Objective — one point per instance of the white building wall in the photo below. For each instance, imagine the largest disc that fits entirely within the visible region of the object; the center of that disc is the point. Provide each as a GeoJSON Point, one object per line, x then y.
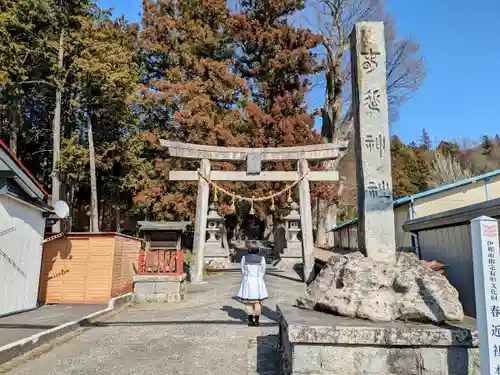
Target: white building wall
{"type": "Point", "coordinates": [20, 255]}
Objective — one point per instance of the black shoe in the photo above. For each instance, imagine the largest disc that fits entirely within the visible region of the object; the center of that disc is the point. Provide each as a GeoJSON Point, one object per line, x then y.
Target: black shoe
{"type": "Point", "coordinates": [257, 320]}
{"type": "Point", "coordinates": [251, 323]}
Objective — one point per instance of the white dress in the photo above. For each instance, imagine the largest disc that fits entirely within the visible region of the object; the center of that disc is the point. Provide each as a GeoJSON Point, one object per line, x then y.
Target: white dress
{"type": "Point", "coordinates": [253, 288]}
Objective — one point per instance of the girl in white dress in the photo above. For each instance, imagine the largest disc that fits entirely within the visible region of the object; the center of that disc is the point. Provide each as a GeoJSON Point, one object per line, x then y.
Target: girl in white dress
{"type": "Point", "coordinates": [253, 289]}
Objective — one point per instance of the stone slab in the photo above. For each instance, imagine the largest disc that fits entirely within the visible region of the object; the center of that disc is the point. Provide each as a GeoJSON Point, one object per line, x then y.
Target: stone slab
{"type": "Point", "coordinates": [159, 278]}
{"type": "Point", "coordinates": [315, 343]}
{"type": "Point", "coordinates": [159, 289]}
{"type": "Point", "coordinates": [314, 327]}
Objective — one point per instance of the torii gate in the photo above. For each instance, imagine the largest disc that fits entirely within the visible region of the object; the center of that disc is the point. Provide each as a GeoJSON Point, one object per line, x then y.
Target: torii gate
{"type": "Point", "coordinates": [254, 157]}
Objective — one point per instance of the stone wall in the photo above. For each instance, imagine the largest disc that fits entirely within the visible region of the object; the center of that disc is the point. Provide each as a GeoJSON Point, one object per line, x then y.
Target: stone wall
{"type": "Point", "coordinates": [159, 288]}
{"type": "Point", "coordinates": [315, 343]}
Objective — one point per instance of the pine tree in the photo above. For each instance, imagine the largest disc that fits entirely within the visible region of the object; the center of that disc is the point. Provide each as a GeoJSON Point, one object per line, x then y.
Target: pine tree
{"type": "Point", "coordinates": [425, 140]}
{"type": "Point", "coordinates": [486, 145]}
{"type": "Point", "coordinates": [410, 170]}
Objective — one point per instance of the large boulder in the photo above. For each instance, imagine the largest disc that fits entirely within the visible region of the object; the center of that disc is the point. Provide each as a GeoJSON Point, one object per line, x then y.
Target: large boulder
{"type": "Point", "coordinates": [360, 287]}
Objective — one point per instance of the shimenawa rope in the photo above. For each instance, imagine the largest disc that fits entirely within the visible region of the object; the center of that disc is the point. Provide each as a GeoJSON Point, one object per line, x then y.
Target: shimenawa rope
{"type": "Point", "coordinates": [235, 196]}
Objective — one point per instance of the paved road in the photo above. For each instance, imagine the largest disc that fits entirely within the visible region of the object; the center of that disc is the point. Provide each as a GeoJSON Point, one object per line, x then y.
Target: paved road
{"type": "Point", "coordinates": [207, 334]}
{"type": "Point", "coordinates": [20, 326]}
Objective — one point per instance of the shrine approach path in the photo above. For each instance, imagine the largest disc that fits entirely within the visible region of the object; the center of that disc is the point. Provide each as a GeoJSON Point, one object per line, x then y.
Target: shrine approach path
{"type": "Point", "coordinates": [206, 334]}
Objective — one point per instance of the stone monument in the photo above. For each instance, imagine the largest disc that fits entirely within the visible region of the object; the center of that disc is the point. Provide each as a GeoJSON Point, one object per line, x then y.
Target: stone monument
{"type": "Point", "coordinates": [380, 286]}
{"type": "Point", "coordinates": [373, 297]}
{"type": "Point", "coordinates": [372, 142]}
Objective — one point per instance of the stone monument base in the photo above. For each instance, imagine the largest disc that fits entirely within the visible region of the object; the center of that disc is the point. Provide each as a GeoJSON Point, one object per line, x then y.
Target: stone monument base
{"type": "Point", "coordinates": [159, 288]}
{"type": "Point", "coordinates": [217, 263]}
{"type": "Point", "coordinates": [316, 343]}
{"type": "Point", "coordinates": [289, 263]}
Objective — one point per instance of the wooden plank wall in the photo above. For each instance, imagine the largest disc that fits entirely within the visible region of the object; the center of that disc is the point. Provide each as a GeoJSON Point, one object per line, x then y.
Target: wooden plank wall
{"type": "Point", "coordinates": [53, 270]}
{"type": "Point", "coordinates": [77, 269]}
{"type": "Point", "coordinates": [125, 264]}
{"type": "Point", "coordinates": [98, 277]}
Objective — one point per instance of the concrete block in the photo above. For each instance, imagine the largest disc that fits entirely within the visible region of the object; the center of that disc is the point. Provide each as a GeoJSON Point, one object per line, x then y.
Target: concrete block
{"type": "Point", "coordinates": [159, 289]}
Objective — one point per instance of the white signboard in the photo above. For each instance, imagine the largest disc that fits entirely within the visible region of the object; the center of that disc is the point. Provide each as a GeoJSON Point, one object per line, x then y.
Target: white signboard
{"type": "Point", "coordinates": [486, 258]}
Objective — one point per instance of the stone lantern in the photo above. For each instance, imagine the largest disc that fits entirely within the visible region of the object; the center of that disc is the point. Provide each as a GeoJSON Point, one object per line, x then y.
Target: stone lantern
{"type": "Point", "coordinates": [293, 223]}
{"type": "Point", "coordinates": [214, 221]}
{"type": "Point", "coordinates": [294, 245]}
{"type": "Point", "coordinates": [216, 256]}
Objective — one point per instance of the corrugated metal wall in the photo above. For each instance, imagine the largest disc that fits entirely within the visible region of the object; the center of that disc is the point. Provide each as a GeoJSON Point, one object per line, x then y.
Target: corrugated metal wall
{"type": "Point", "coordinates": [21, 236]}
{"type": "Point", "coordinates": [452, 246]}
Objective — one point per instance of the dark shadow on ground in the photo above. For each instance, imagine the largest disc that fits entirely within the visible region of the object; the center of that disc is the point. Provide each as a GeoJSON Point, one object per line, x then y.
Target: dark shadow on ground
{"type": "Point", "coordinates": [268, 355]}
{"type": "Point", "coordinates": [266, 311]}
{"type": "Point", "coordinates": [168, 323]}
{"type": "Point", "coordinates": [281, 276]}
{"type": "Point", "coordinates": [269, 314]}
{"type": "Point", "coordinates": [241, 314]}
{"type": "Point", "coordinates": [235, 313]}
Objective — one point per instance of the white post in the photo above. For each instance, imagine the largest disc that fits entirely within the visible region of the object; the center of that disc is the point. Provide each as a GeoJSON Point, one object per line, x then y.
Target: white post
{"type": "Point", "coordinates": [486, 259]}
{"type": "Point", "coordinates": [200, 229]}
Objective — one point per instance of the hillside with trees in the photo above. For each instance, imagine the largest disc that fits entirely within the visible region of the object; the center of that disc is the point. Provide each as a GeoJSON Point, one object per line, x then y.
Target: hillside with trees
{"type": "Point", "coordinates": [85, 97]}
{"type": "Point", "coordinates": [419, 166]}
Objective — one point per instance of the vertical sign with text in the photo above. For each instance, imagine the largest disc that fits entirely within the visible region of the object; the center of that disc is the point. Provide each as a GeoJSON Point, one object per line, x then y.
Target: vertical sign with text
{"type": "Point", "coordinates": [376, 234]}
{"type": "Point", "coordinates": [486, 258]}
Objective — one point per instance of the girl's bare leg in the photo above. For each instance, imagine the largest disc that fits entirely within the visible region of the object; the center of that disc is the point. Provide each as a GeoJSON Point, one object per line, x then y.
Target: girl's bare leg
{"type": "Point", "coordinates": [257, 309]}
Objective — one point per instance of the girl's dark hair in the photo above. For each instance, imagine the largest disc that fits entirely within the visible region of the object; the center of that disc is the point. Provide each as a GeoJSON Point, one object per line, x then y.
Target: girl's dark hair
{"type": "Point", "coordinates": [253, 246]}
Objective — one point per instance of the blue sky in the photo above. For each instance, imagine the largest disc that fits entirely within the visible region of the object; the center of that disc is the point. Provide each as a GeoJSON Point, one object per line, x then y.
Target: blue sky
{"type": "Point", "coordinates": [459, 42]}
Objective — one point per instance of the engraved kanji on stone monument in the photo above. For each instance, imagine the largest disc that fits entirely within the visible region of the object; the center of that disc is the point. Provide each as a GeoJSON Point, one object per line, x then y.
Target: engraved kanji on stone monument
{"type": "Point", "coordinates": [372, 99]}
{"type": "Point", "coordinates": [376, 143]}
{"type": "Point", "coordinates": [376, 234]}
{"type": "Point", "coordinates": [379, 189]}
{"type": "Point", "coordinates": [370, 62]}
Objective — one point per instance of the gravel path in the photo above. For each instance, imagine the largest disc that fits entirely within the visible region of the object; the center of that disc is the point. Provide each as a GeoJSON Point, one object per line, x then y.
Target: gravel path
{"type": "Point", "coordinates": [206, 334]}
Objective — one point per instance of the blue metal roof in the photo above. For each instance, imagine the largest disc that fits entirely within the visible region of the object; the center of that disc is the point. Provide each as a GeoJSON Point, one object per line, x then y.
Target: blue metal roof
{"type": "Point", "coordinates": [409, 198]}
{"type": "Point", "coordinates": [439, 189]}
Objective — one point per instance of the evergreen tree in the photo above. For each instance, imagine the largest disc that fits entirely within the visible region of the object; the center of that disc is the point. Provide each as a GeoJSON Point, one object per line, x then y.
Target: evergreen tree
{"type": "Point", "coordinates": [425, 140]}
{"type": "Point", "coordinates": [191, 93]}
{"type": "Point", "coordinates": [410, 170]}
{"type": "Point", "coordinates": [486, 145]}
{"type": "Point", "coordinates": [276, 59]}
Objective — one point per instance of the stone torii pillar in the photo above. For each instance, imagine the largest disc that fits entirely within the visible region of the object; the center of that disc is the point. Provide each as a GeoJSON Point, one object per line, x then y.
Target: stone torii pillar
{"type": "Point", "coordinates": [376, 234]}
{"type": "Point", "coordinates": [200, 229]}
{"type": "Point", "coordinates": [306, 221]}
